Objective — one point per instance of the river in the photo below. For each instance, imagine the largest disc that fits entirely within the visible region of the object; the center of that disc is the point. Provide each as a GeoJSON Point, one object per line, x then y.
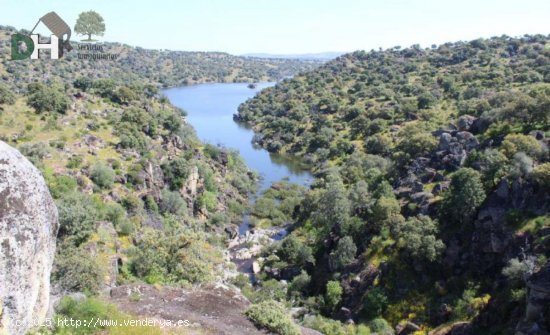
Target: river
{"type": "Point", "coordinates": [210, 109]}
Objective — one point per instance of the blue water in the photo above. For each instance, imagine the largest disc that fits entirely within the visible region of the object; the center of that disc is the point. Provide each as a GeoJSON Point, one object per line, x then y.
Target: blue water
{"type": "Point", "coordinates": [210, 109]}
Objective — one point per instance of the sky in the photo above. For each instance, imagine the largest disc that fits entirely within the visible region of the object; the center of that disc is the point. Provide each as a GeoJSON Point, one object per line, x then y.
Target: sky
{"type": "Point", "coordinates": [291, 26]}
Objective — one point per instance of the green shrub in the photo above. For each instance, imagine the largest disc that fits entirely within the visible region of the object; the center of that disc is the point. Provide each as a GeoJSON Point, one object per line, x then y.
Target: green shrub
{"type": "Point", "coordinates": [515, 143]}
{"type": "Point", "coordinates": [151, 204]}
{"type": "Point", "coordinates": [541, 174]}
{"type": "Point", "coordinates": [75, 269]}
{"type": "Point", "coordinates": [299, 284]}
{"type": "Point", "coordinates": [334, 327]}
{"type": "Point", "coordinates": [102, 175]}
{"type": "Point", "coordinates": [77, 216]}
{"type": "Point", "coordinates": [104, 87]}
{"type": "Point", "coordinates": [344, 254]}
{"type": "Point", "coordinates": [418, 238]}
{"type": "Point", "coordinates": [175, 172]}
{"type": "Point", "coordinates": [381, 327]}
{"type": "Point", "coordinates": [333, 295]}
{"type": "Point", "coordinates": [208, 200]}
{"type": "Point", "coordinates": [83, 83]}
{"type": "Point", "coordinates": [374, 303]}
{"type": "Point", "coordinates": [175, 257]}
{"type": "Point", "coordinates": [219, 219]}
{"type": "Point", "coordinates": [115, 213]}
{"type": "Point", "coordinates": [270, 290]}
{"type": "Point", "coordinates": [35, 152]}
{"type": "Point", "coordinates": [465, 195]}
{"type": "Point", "coordinates": [469, 305]}
{"type": "Point", "coordinates": [60, 185]}
{"type": "Point", "coordinates": [272, 316]}
{"type": "Point", "coordinates": [75, 162]}
{"type": "Point", "coordinates": [6, 95]}
{"type": "Point", "coordinates": [84, 310]}
{"type": "Point", "coordinates": [48, 99]}
{"type": "Point", "coordinates": [173, 203]}
{"type": "Point", "coordinates": [132, 204]}
{"type": "Point", "coordinates": [517, 271]}
{"type": "Point", "coordinates": [294, 251]}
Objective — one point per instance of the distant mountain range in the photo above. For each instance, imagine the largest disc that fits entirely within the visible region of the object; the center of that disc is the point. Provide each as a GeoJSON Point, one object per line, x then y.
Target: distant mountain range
{"type": "Point", "coordinates": [310, 56]}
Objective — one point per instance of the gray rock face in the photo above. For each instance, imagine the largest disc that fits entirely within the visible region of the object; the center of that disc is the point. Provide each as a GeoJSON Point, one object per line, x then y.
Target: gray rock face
{"type": "Point", "coordinates": [28, 229]}
{"type": "Point", "coordinates": [465, 122]}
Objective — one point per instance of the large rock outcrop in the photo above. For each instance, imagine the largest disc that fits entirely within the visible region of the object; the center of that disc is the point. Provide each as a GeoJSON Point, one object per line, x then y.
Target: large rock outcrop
{"type": "Point", "coordinates": [28, 229]}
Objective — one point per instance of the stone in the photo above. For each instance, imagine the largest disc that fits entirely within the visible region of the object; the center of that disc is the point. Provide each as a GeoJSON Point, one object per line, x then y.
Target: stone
{"type": "Point", "coordinates": [232, 231]}
{"type": "Point", "coordinates": [421, 197]}
{"type": "Point", "coordinates": [192, 182]}
{"type": "Point", "coordinates": [440, 188]}
{"type": "Point", "coordinates": [537, 134]}
{"type": "Point", "coordinates": [465, 122]}
{"type": "Point", "coordinates": [28, 230]}
{"type": "Point", "coordinates": [407, 328]}
{"type": "Point", "coordinates": [417, 187]}
{"type": "Point", "coordinates": [444, 141]}
{"type": "Point", "coordinates": [255, 267]}
{"type": "Point", "coordinates": [243, 254]}
{"type": "Point", "coordinates": [467, 139]}
{"type": "Point", "coordinates": [538, 302]}
{"type": "Point", "coordinates": [479, 126]}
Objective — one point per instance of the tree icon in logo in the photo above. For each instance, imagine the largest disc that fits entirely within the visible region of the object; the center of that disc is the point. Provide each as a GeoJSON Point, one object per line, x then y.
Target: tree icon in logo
{"type": "Point", "coordinates": [90, 23]}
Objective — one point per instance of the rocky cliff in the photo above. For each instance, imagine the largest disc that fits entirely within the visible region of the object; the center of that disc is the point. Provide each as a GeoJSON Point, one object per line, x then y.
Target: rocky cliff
{"type": "Point", "coordinates": [28, 229]}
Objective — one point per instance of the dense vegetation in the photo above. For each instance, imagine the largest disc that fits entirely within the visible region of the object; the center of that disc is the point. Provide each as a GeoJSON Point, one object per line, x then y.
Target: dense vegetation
{"type": "Point", "coordinates": [430, 206]}
{"type": "Point", "coordinates": [431, 202]}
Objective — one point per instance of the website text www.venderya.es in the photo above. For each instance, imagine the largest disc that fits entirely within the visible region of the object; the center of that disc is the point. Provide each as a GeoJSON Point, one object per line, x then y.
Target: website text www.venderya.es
{"type": "Point", "coordinates": [105, 323]}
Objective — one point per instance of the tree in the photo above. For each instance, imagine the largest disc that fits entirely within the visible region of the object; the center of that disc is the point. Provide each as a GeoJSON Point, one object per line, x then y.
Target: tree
{"type": "Point", "coordinates": [514, 143]}
{"type": "Point", "coordinates": [76, 269]}
{"type": "Point", "coordinates": [333, 206]}
{"type": "Point", "coordinates": [272, 316]}
{"type": "Point", "coordinates": [417, 237]}
{"type": "Point", "coordinates": [175, 172]}
{"type": "Point", "coordinates": [172, 203]}
{"type": "Point", "coordinates": [375, 302]}
{"type": "Point", "coordinates": [295, 251]}
{"type": "Point", "coordinates": [465, 195]}
{"type": "Point", "coordinates": [384, 208]}
{"type": "Point", "coordinates": [77, 216]}
{"type": "Point", "coordinates": [333, 295]}
{"type": "Point", "coordinates": [102, 175]}
{"type": "Point", "coordinates": [6, 95]}
{"type": "Point", "coordinates": [90, 23]}
{"type": "Point", "coordinates": [83, 83]}
{"type": "Point", "coordinates": [48, 98]}
{"type": "Point", "coordinates": [344, 253]}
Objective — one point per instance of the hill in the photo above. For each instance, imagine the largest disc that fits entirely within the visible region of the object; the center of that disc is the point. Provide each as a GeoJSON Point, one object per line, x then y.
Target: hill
{"type": "Point", "coordinates": [430, 211]}
{"type": "Point", "coordinates": [140, 198]}
{"type": "Point", "coordinates": [161, 67]}
{"type": "Point", "coordinates": [324, 56]}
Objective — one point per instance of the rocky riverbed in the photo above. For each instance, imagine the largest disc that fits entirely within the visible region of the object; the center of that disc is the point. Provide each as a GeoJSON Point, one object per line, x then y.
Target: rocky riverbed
{"type": "Point", "coordinates": [243, 251]}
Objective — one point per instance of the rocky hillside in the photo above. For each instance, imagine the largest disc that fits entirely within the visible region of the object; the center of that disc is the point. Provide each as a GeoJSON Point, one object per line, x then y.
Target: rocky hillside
{"type": "Point", "coordinates": [430, 211]}
{"type": "Point", "coordinates": [140, 198]}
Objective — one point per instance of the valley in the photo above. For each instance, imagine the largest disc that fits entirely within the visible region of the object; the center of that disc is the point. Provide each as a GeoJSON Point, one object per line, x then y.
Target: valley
{"type": "Point", "coordinates": [399, 191]}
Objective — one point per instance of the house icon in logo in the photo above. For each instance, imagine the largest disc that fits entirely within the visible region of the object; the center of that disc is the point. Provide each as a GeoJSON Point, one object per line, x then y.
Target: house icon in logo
{"type": "Point", "coordinates": [23, 46]}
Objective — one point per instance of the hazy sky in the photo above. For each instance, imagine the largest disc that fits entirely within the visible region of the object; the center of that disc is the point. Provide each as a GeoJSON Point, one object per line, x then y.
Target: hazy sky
{"type": "Point", "coordinates": [291, 26]}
